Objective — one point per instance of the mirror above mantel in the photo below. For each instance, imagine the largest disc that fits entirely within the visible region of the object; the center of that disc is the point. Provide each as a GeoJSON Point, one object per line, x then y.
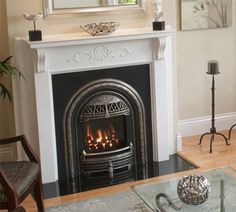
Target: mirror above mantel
{"type": "Point", "coordinates": [56, 7]}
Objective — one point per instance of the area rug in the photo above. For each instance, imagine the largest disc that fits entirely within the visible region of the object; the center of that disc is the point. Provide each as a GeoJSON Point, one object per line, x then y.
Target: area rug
{"type": "Point", "coordinates": [119, 202]}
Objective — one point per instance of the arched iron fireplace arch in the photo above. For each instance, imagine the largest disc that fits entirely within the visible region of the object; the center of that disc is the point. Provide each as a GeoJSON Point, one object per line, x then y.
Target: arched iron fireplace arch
{"type": "Point", "coordinates": [77, 103]}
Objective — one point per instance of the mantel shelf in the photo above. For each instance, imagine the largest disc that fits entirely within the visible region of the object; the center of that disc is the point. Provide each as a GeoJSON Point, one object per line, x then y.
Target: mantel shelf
{"type": "Point", "coordinates": [54, 40]}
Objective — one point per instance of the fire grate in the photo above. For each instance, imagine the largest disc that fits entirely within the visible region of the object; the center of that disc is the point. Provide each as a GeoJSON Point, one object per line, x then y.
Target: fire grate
{"type": "Point", "coordinates": [107, 168]}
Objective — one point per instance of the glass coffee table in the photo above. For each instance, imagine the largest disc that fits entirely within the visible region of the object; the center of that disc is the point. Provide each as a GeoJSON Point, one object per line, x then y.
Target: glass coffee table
{"type": "Point", "coordinates": [147, 192]}
{"type": "Point", "coordinates": [142, 197]}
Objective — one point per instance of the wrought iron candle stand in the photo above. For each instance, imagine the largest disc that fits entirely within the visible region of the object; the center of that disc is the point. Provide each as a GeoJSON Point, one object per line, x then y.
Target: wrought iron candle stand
{"type": "Point", "coordinates": [213, 69]}
{"type": "Point", "coordinates": [230, 130]}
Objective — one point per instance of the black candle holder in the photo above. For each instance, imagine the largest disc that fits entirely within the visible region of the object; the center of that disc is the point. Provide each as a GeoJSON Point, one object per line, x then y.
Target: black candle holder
{"type": "Point", "coordinates": [213, 69]}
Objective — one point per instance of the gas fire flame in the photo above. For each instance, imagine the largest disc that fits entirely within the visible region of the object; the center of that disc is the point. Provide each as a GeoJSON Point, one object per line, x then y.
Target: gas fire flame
{"type": "Point", "coordinates": [102, 140]}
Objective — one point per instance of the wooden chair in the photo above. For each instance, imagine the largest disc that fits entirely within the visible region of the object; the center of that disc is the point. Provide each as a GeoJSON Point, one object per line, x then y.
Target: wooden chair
{"type": "Point", "coordinates": [20, 178]}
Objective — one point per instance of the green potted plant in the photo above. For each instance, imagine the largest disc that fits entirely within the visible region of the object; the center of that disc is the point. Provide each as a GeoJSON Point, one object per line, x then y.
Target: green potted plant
{"type": "Point", "coordinates": [7, 70]}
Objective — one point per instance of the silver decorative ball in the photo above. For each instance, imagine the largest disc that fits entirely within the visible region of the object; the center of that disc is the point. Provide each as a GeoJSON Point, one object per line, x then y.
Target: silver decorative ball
{"type": "Point", "coordinates": [193, 189]}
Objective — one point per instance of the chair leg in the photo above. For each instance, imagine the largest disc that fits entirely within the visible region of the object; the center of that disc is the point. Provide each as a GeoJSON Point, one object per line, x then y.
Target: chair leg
{"type": "Point", "coordinates": [18, 209]}
{"type": "Point", "coordinates": [39, 196]}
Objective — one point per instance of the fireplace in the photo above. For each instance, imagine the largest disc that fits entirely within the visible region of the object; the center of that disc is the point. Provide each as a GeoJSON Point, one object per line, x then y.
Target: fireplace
{"type": "Point", "coordinates": [106, 151]}
{"type": "Point", "coordinates": [101, 126]}
{"type": "Point", "coordinates": [142, 129]}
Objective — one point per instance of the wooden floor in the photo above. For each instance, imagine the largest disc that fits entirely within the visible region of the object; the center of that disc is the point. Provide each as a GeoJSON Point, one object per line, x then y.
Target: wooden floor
{"type": "Point", "coordinates": [222, 155]}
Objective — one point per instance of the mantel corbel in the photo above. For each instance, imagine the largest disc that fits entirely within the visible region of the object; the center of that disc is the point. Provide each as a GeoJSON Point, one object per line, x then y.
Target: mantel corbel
{"type": "Point", "coordinates": [39, 60]}
{"type": "Point", "coordinates": [159, 45]}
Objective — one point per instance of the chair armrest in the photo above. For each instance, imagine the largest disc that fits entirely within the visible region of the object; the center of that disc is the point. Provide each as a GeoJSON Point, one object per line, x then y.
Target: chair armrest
{"type": "Point", "coordinates": [25, 144]}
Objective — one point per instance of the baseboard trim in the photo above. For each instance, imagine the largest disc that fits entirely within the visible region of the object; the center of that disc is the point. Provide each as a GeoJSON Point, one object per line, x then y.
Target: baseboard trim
{"type": "Point", "coordinates": [200, 125]}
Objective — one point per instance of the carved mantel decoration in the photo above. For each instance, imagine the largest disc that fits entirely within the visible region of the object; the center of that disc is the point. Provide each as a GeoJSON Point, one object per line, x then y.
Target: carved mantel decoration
{"type": "Point", "coordinates": [79, 52]}
{"type": "Point", "coordinates": [100, 53]}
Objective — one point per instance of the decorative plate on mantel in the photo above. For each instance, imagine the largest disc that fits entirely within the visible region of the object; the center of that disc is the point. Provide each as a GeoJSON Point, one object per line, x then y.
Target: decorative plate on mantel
{"type": "Point", "coordinates": [102, 28]}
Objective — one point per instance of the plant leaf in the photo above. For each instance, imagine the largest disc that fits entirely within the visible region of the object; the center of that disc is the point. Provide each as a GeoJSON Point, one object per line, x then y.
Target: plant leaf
{"type": "Point", "coordinates": [7, 59]}
{"type": "Point", "coordinates": [7, 69]}
{"type": "Point", "coordinates": [4, 92]}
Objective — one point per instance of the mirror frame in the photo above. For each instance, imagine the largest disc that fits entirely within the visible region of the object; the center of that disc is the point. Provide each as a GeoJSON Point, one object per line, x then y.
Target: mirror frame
{"type": "Point", "coordinates": [49, 10]}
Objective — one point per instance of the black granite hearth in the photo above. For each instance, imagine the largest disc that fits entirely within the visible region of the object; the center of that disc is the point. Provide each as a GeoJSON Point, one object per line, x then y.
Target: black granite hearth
{"type": "Point", "coordinates": [173, 165]}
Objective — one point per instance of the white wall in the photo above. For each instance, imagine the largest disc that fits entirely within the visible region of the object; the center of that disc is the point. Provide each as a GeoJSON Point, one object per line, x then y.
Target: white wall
{"type": "Point", "coordinates": [194, 49]}
{"type": "Point", "coordinates": [6, 118]}
{"type": "Point", "coordinates": [194, 84]}
{"type": "Point", "coordinates": [7, 127]}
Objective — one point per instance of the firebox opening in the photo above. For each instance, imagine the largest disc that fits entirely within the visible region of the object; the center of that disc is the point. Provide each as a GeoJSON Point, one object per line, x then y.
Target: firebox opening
{"type": "Point", "coordinates": [103, 118]}
{"type": "Point", "coordinates": [103, 135]}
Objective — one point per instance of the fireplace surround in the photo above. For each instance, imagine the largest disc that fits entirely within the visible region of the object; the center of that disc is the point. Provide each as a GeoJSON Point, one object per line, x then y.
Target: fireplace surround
{"type": "Point", "coordinates": [77, 53]}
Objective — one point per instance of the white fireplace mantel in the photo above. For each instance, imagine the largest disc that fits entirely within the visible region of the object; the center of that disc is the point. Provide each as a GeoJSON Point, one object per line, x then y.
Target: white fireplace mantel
{"type": "Point", "coordinates": [67, 53]}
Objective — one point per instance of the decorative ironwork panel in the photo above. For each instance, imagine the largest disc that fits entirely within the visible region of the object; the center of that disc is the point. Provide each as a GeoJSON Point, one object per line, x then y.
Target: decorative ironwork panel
{"type": "Point", "coordinates": [104, 106]}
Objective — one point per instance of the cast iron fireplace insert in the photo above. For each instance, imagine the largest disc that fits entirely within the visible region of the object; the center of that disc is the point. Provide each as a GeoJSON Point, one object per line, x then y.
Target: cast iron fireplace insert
{"type": "Point", "coordinates": [103, 126]}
